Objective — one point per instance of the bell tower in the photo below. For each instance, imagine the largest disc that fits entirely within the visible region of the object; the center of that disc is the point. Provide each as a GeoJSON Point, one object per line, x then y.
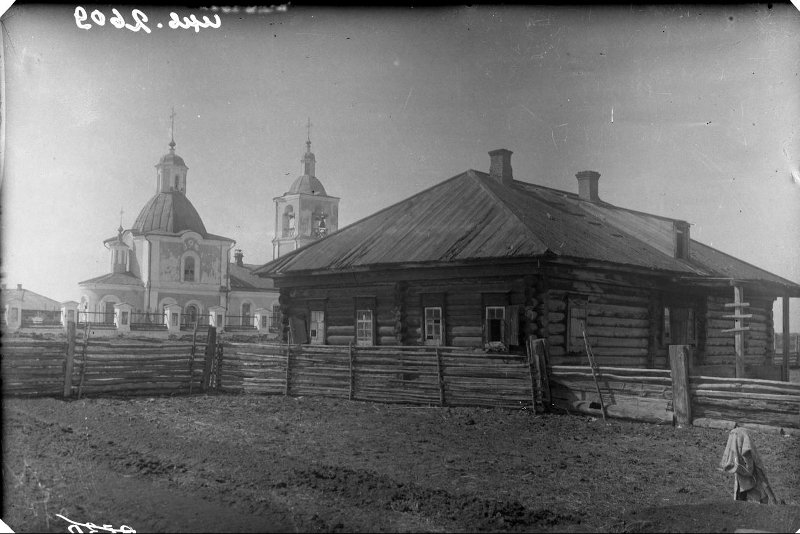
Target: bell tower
{"type": "Point", "coordinates": [171, 170]}
{"type": "Point", "coordinates": [305, 213]}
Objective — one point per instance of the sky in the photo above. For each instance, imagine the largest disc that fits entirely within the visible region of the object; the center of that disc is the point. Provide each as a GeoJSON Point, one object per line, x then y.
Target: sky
{"type": "Point", "coordinates": [689, 112]}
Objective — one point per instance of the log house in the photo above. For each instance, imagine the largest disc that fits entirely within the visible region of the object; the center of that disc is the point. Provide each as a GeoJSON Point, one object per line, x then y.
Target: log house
{"type": "Point", "coordinates": [483, 260]}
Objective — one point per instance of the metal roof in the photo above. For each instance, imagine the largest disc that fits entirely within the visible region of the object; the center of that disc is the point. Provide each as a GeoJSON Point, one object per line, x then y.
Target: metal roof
{"type": "Point", "coordinates": [473, 216]}
{"type": "Point", "coordinates": [242, 278]}
{"type": "Point", "coordinates": [121, 279]}
{"type": "Point", "coordinates": [309, 185]}
{"type": "Point", "coordinates": [169, 212]}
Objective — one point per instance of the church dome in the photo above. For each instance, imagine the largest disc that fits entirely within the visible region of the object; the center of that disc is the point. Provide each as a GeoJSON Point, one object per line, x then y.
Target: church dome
{"type": "Point", "coordinates": [169, 212]}
{"type": "Point", "coordinates": [172, 159]}
{"type": "Point", "coordinates": [308, 185]}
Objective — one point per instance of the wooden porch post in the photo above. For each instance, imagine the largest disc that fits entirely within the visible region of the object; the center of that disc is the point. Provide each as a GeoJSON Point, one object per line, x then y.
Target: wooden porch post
{"type": "Point", "coordinates": [786, 340]}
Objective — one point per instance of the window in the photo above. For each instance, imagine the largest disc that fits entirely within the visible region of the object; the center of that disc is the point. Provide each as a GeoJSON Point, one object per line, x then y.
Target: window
{"type": "Point", "coordinates": [124, 318]}
{"type": "Point", "coordinates": [317, 327]}
{"type": "Point", "coordinates": [108, 317]}
{"type": "Point", "coordinates": [177, 181]}
{"type": "Point", "coordinates": [433, 326]}
{"type": "Point", "coordinates": [289, 222]}
{"type": "Point", "coordinates": [495, 324]}
{"type": "Point", "coordinates": [219, 321]}
{"type": "Point", "coordinates": [188, 269]}
{"type": "Point", "coordinates": [576, 326]}
{"type": "Point", "coordinates": [264, 321]}
{"type": "Point", "coordinates": [275, 320]}
{"type": "Point", "coordinates": [190, 315]}
{"type": "Point", "coordinates": [246, 314]}
{"type": "Point", "coordinates": [364, 327]}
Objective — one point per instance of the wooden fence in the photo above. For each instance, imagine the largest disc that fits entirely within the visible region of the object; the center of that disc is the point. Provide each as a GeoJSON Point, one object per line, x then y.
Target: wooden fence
{"type": "Point", "coordinates": [639, 394]}
{"type": "Point", "coordinates": [70, 366]}
{"type": "Point", "coordinates": [31, 366]}
{"type": "Point", "coordinates": [425, 375]}
{"type": "Point", "coordinates": [446, 376]}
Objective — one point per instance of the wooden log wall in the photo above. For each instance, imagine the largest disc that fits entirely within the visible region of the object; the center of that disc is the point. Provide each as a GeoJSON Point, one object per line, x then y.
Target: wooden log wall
{"type": "Point", "coordinates": [32, 367]}
{"type": "Point", "coordinates": [759, 340]}
{"type": "Point", "coordinates": [628, 393]}
{"type": "Point", "coordinates": [340, 311]}
{"type": "Point", "coordinates": [127, 367]}
{"type": "Point", "coordinates": [744, 400]}
{"type": "Point", "coordinates": [618, 320]}
{"type": "Point", "coordinates": [463, 307]}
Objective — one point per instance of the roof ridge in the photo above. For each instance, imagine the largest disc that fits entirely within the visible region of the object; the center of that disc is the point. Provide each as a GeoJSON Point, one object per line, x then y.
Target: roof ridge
{"type": "Point", "coordinates": [482, 181]}
{"type": "Point", "coordinates": [601, 202]}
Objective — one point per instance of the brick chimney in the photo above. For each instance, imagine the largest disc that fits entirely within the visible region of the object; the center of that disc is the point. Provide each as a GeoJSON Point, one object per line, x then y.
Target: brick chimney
{"type": "Point", "coordinates": [500, 166]}
{"type": "Point", "coordinates": [587, 185]}
{"type": "Point", "coordinates": [237, 255]}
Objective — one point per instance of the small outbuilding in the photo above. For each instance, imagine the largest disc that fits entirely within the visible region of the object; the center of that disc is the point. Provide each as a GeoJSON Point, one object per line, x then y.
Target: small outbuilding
{"type": "Point", "coordinates": [484, 260]}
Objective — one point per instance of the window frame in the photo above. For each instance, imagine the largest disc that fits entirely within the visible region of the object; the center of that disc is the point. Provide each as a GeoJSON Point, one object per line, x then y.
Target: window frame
{"type": "Point", "coordinates": [488, 325]}
{"type": "Point", "coordinates": [319, 338]}
{"type": "Point", "coordinates": [362, 342]}
{"type": "Point", "coordinates": [435, 341]}
{"type": "Point", "coordinates": [195, 267]}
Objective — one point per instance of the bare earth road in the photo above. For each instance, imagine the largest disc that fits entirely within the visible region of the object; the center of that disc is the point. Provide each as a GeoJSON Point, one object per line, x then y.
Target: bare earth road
{"type": "Point", "coordinates": [252, 463]}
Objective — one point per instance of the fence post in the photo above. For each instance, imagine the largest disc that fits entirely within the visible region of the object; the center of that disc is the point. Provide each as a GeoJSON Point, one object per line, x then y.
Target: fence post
{"type": "Point", "coordinates": [219, 356]}
{"type": "Point", "coordinates": [70, 363]}
{"type": "Point", "coordinates": [288, 371]}
{"type": "Point", "coordinates": [681, 396]}
{"type": "Point", "coordinates": [84, 357]}
{"type": "Point", "coordinates": [538, 367]}
{"type": "Point", "coordinates": [211, 350]}
{"type": "Point", "coordinates": [352, 371]}
{"type": "Point", "coordinates": [441, 376]}
{"type": "Point", "coordinates": [191, 357]}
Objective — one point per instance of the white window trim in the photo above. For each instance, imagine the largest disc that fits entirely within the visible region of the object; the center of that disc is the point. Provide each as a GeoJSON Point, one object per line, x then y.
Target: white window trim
{"type": "Point", "coordinates": [318, 339]}
{"type": "Point", "coordinates": [371, 322]}
{"type": "Point", "coordinates": [437, 340]}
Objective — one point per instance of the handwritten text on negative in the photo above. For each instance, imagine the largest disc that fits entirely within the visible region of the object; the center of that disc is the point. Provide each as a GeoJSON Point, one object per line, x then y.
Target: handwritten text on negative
{"type": "Point", "coordinates": [140, 20]}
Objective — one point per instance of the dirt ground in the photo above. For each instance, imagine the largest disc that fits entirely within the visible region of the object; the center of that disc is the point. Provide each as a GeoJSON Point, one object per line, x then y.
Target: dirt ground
{"type": "Point", "coordinates": [243, 463]}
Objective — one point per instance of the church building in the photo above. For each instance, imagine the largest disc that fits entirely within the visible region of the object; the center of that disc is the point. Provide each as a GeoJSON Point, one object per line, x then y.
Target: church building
{"type": "Point", "coordinates": [168, 272]}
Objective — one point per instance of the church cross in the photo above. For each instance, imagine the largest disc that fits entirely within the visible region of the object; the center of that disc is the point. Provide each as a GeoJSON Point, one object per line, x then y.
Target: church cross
{"type": "Point", "coordinates": [172, 128]}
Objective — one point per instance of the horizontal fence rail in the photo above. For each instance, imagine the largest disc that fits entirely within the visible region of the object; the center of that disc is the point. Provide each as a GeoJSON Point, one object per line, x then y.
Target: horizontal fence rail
{"type": "Point", "coordinates": [745, 400]}
{"type": "Point", "coordinates": [640, 394]}
{"type": "Point", "coordinates": [32, 367]}
{"type": "Point", "coordinates": [136, 368]}
{"type": "Point", "coordinates": [424, 375]}
{"type": "Point", "coordinates": [75, 366]}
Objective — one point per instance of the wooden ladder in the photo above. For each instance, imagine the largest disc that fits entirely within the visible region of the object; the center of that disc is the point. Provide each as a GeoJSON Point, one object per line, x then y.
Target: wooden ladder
{"type": "Point", "coordinates": [593, 365]}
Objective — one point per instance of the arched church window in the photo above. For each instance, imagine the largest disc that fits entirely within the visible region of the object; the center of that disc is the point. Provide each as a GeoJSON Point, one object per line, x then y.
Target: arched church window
{"type": "Point", "coordinates": [177, 181]}
{"type": "Point", "coordinates": [188, 269]}
{"type": "Point", "coordinates": [246, 314]}
{"type": "Point", "coordinates": [289, 223]}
